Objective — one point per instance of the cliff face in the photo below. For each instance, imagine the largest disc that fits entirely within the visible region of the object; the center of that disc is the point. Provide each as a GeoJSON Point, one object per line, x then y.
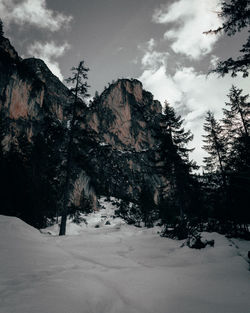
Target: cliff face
{"type": "Point", "coordinates": [126, 121]}
{"type": "Point", "coordinates": [29, 93]}
{"type": "Point", "coordinates": [34, 109]}
{"type": "Point", "coordinates": [124, 115]}
{"type": "Point", "coordinates": [120, 151]}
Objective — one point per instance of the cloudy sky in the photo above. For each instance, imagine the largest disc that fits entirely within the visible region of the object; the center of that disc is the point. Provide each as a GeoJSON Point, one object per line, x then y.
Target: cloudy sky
{"type": "Point", "coordinates": [160, 42]}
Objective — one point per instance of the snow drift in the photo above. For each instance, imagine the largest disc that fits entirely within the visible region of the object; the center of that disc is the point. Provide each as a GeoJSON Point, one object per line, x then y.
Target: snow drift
{"type": "Point", "coordinates": [118, 269]}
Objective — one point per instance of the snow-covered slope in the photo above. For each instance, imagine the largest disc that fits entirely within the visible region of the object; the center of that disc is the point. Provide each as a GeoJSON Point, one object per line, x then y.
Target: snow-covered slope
{"type": "Point", "coordinates": [105, 217]}
{"type": "Point", "coordinates": [117, 269]}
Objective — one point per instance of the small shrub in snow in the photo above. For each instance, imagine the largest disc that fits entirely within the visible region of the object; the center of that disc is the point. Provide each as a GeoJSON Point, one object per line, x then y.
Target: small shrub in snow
{"type": "Point", "coordinates": [228, 228]}
{"type": "Point", "coordinates": [78, 219]}
{"type": "Point", "coordinates": [131, 213]}
{"type": "Point", "coordinates": [108, 223]}
{"type": "Point", "coordinates": [77, 215]}
{"type": "Point", "coordinates": [51, 221]}
{"type": "Point", "coordinates": [197, 242]}
{"type": "Point", "coordinates": [181, 230]}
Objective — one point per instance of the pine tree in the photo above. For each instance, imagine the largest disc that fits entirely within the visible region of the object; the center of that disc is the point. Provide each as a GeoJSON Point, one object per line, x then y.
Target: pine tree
{"type": "Point", "coordinates": [215, 147]}
{"type": "Point", "coordinates": [174, 148]}
{"type": "Point", "coordinates": [173, 126]}
{"type": "Point", "coordinates": [94, 100]}
{"type": "Point", "coordinates": [236, 123]}
{"type": "Point", "coordinates": [50, 164]}
{"type": "Point", "coordinates": [236, 16]}
{"type": "Point", "coordinates": [239, 112]}
{"type": "Point", "coordinates": [215, 176]}
{"type": "Point", "coordinates": [79, 91]}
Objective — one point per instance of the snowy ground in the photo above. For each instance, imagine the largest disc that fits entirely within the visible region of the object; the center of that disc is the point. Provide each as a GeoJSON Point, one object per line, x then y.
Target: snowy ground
{"type": "Point", "coordinates": [118, 269]}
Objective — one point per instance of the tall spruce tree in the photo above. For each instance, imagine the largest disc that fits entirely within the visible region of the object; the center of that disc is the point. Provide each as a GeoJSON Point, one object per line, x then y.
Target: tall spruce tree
{"type": "Point", "coordinates": [215, 179]}
{"type": "Point", "coordinates": [79, 89]}
{"type": "Point", "coordinates": [173, 126]}
{"type": "Point", "coordinates": [174, 148]}
{"type": "Point", "coordinates": [236, 123]}
{"type": "Point", "coordinates": [238, 114]}
{"type": "Point", "coordinates": [215, 146]}
{"type": "Point", "coordinates": [236, 16]}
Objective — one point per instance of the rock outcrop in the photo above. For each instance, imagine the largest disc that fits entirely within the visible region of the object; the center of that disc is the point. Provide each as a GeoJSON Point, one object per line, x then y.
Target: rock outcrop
{"type": "Point", "coordinates": [126, 121]}
{"type": "Point", "coordinates": [34, 110]}
{"type": "Point", "coordinates": [29, 93]}
{"type": "Point", "coordinates": [122, 126]}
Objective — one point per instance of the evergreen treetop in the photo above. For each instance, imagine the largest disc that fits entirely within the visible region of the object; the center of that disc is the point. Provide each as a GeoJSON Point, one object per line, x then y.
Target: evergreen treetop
{"type": "Point", "coordinates": [236, 124]}
{"type": "Point", "coordinates": [215, 146]}
{"type": "Point", "coordinates": [78, 80]}
{"type": "Point", "coordinates": [236, 16]}
{"type": "Point", "coordinates": [237, 117]}
{"type": "Point", "coordinates": [79, 88]}
{"type": "Point", "coordinates": [173, 125]}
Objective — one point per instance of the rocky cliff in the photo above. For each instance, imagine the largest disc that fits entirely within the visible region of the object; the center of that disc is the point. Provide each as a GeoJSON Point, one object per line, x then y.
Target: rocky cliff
{"type": "Point", "coordinates": [120, 152]}
{"type": "Point", "coordinates": [34, 108]}
{"type": "Point", "coordinates": [29, 92]}
{"type": "Point", "coordinates": [126, 121]}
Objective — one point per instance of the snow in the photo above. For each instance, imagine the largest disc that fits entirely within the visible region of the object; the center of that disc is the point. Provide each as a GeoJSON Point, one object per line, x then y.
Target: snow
{"type": "Point", "coordinates": [103, 144]}
{"type": "Point", "coordinates": [118, 268]}
{"type": "Point", "coordinates": [93, 220]}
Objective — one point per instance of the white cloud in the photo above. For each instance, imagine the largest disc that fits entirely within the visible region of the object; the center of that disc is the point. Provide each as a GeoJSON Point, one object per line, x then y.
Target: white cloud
{"type": "Point", "coordinates": [191, 19]}
{"type": "Point", "coordinates": [152, 59]}
{"type": "Point", "coordinates": [33, 12]}
{"type": "Point", "coordinates": [214, 61]}
{"type": "Point", "coordinates": [49, 52]}
{"type": "Point", "coordinates": [162, 86]}
{"type": "Point", "coordinates": [190, 92]}
{"type": "Point", "coordinates": [193, 93]}
{"type": "Point", "coordinates": [151, 44]}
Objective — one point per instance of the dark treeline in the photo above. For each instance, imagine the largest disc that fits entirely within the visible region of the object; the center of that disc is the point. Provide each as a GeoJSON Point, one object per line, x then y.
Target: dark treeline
{"type": "Point", "coordinates": [226, 178]}
{"type": "Point", "coordinates": [217, 199]}
{"type": "Point", "coordinates": [32, 175]}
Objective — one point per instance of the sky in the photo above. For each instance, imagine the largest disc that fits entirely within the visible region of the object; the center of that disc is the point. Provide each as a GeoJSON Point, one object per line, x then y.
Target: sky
{"type": "Point", "coordinates": [158, 42]}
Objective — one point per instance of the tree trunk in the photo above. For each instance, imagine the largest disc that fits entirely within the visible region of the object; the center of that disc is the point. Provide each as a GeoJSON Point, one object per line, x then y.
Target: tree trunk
{"type": "Point", "coordinates": [68, 167]}
{"type": "Point", "coordinates": [63, 224]}
{"type": "Point", "coordinates": [220, 159]}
